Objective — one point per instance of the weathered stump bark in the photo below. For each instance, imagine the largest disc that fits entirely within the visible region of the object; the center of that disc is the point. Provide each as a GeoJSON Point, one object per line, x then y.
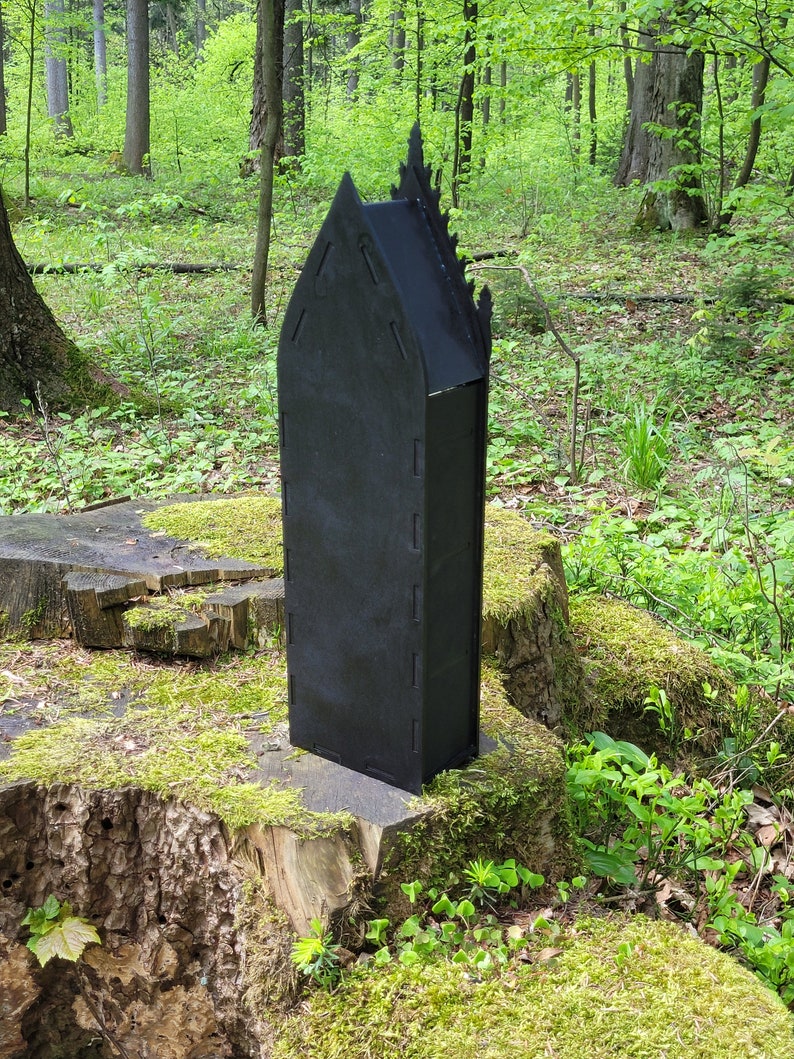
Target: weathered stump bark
{"type": "Point", "coordinates": [40, 556]}
{"type": "Point", "coordinates": [194, 919]}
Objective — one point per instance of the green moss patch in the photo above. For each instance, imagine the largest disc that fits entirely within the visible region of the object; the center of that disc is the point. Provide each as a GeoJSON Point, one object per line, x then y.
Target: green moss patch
{"type": "Point", "coordinates": [620, 989]}
{"type": "Point", "coordinates": [163, 612]}
{"type": "Point", "coordinates": [247, 527]}
{"type": "Point", "coordinates": [510, 802]}
{"type": "Point", "coordinates": [513, 563]}
{"type": "Point", "coordinates": [185, 737]}
{"type": "Point", "coordinates": [72, 679]}
{"type": "Point", "coordinates": [627, 652]}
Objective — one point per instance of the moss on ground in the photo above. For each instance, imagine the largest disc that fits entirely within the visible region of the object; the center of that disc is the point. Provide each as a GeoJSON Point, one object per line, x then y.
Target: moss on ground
{"type": "Point", "coordinates": [623, 988]}
{"type": "Point", "coordinates": [246, 527]}
{"type": "Point", "coordinates": [627, 653]}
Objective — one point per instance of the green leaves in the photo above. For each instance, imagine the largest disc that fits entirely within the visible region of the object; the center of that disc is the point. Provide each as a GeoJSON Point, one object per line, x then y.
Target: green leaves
{"type": "Point", "coordinates": [317, 956]}
{"type": "Point", "coordinates": [56, 932]}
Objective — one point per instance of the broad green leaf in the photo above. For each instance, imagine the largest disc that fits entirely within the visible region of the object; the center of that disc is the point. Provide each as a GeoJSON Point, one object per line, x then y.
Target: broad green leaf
{"type": "Point", "coordinates": [52, 907]}
{"type": "Point", "coordinates": [73, 934]}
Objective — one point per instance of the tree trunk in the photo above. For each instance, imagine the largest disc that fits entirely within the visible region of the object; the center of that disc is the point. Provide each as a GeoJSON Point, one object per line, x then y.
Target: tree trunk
{"type": "Point", "coordinates": [464, 111]}
{"type": "Point", "coordinates": [171, 34]}
{"type": "Point", "coordinates": [420, 48]}
{"type": "Point", "coordinates": [675, 154]}
{"type": "Point", "coordinates": [591, 110]}
{"type": "Point", "coordinates": [136, 135]}
{"type": "Point", "coordinates": [3, 118]}
{"type": "Point", "coordinates": [633, 164]}
{"type": "Point", "coordinates": [398, 40]}
{"type": "Point", "coordinates": [270, 28]}
{"type": "Point", "coordinates": [293, 88]}
{"type": "Point", "coordinates": [353, 40]}
{"type": "Point", "coordinates": [55, 67]}
{"type": "Point", "coordinates": [100, 54]}
{"type": "Point", "coordinates": [201, 25]}
{"type": "Point", "coordinates": [573, 104]}
{"type": "Point", "coordinates": [591, 98]}
{"type": "Point", "coordinates": [628, 68]}
{"type": "Point", "coordinates": [760, 82]}
{"type": "Point", "coordinates": [671, 101]}
{"type": "Point", "coordinates": [37, 361]}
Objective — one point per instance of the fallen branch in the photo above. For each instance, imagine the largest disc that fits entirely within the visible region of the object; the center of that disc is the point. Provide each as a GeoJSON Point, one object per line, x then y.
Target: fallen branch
{"type": "Point", "coordinates": [179, 268]}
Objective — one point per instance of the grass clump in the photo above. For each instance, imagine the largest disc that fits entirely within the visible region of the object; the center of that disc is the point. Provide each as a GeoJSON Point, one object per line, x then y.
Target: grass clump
{"type": "Point", "coordinates": [247, 527]}
{"type": "Point", "coordinates": [618, 989]}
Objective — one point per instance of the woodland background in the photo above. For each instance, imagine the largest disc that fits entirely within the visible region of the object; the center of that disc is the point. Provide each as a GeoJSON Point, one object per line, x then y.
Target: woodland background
{"type": "Point", "coordinates": [620, 173]}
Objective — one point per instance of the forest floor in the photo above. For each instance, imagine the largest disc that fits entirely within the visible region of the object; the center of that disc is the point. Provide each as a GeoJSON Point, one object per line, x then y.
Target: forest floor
{"type": "Point", "coordinates": [670, 480]}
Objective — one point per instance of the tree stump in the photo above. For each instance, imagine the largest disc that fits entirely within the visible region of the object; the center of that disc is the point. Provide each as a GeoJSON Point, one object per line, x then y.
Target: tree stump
{"type": "Point", "coordinates": [525, 618]}
{"type": "Point", "coordinates": [41, 556]}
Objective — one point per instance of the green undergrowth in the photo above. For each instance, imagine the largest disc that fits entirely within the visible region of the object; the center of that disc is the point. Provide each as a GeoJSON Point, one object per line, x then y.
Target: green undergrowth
{"type": "Point", "coordinates": [627, 654]}
{"type": "Point", "coordinates": [246, 527]}
{"type": "Point", "coordinates": [617, 988]}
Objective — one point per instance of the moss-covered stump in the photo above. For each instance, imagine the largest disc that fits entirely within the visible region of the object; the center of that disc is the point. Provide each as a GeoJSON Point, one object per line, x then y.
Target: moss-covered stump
{"type": "Point", "coordinates": [197, 900]}
{"type": "Point", "coordinates": [627, 652]}
{"type": "Point", "coordinates": [525, 618]}
{"type": "Point", "coordinates": [118, 555]}
{"type": "Point", "coordinates": [510, 802]}
{"type": "Point", "coordinates": [619, 989]}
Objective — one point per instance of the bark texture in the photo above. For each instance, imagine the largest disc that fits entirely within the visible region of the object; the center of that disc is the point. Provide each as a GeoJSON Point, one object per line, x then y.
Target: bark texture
{"type": "Point", "coordinates": [293, 88]}
{"type": "Point", "coordinates": [464, 109]}
{"type": "Point", "coordinates": [541, 670]}
{"type": "Point", "coordinates": [55, 67]}
{"type": "Point", "coordinates": [634, 159]}
{"type": "Point", "coordinates": [269, 62]}
{"type": "Point", "coordinates": [668, 94]}
{"type": "Point", "coordinates": [35, 355]}
{"type": "Point", "coordinates": [158, 879]}
{"type": "Point", "coordinates": [136, 132]}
